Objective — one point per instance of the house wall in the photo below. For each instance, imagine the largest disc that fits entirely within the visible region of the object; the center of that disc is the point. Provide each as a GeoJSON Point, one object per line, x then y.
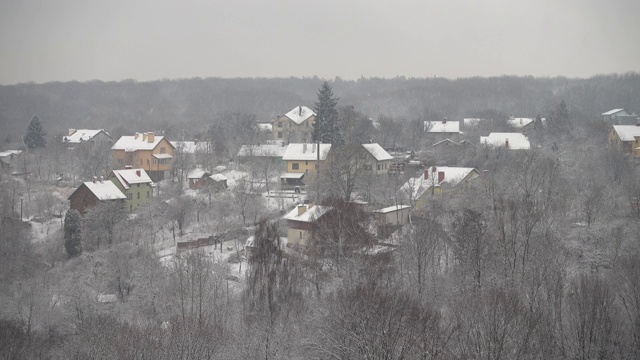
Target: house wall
{"type": "Point", "coordinates": [304, 166]}
{"type": "Point", "coordinates": [140, 194]}
{"type": "Point", "coordinates": [82, 199]}
{"type": "Point", "coordinates": [625, 146]}
{"type": "Point", "coordinates": [399, 217]}
{"type": "Point", "coordinates": [299, 232]}
{"type": "Point", "coordinates": [293, 132]}
{"type": "Point", "coordinates": [196, 184]}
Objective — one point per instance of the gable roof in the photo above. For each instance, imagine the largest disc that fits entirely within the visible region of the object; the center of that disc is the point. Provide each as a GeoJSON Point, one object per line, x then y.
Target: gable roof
{"type": "Point", "coordinates": [519, 122]}
{"type": "Point", "coordinates": [627, 132]}
{"type": "Point", "coordinates": [442, 127]}
{"type": "Point", "coordinates": [131, 144]}
{"type": "Point", "coordinates": [312, 213]}
{"type": "Point", "coordinates": [305, 152]}
{"type": "Point", "coordinates": [299, 114]}
{"type": "Point", "coordinates": [452, 177]}
{"type": "Point", "coordinates": [218, 177]}
{"type": "Point", "coordinates": [517, 141]}
{"type": "Point", "coordinates": [447, 141]}
{"type": "Point", "coordinates": [265, 150]}
{"type": "Point", "coordinates": [198, 174]}
{"type": "Point", "coordinates": [83, 135]}
{"type": "Point", "coordinates": [127, 177]}
{"type": "Point", "coordinates": [611, 112]}
{"type": "Point", "coordinates": [103, 190]}
{"type": "Point", "coordinates": [377, 152]}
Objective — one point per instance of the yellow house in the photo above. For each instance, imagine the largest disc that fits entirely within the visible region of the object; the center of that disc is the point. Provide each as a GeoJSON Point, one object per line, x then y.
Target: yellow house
{"type": "Point", "coordinates": [434, 180]}
{"type": "Point", "coordinates": [626, 138]}
{"type": "Point", "coordinates": [302, 158]}
{"type": "Point", "coordinates": [152, 153]}
{"type": "Point", "coordinates": [294, 126]}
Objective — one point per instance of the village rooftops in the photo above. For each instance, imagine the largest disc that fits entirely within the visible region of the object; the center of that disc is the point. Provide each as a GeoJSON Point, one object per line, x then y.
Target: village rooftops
{"type": "Point", "coordinates": [519, 122]}
{"type": "Point", "coordinates": [128, 177]}
{"type": "Point", "coordinates": [514, 141]}
{"type": "Point", "coordinates": [627, 132]}
{"type": "Point", "coordinates": [302, 152]}
{"type": "Point", "coordinates": [611, 112]}
{"type": "Point", "coordinates": [377, 152]}
{"type": "Point", "coordinates": [448, 127]}
{"type": "Point", "coordinates": [437, 176]}
{"type": "Point", "coordinates": [307, 212]}
{"type": "Point", "coordinates": [104, 190]}
{"type": "Point", "coordinates": [145, 141]}
{"type": "Point", "coordinates": [82, 135]}
{"type": "Point", "coordinates": [299, 114]}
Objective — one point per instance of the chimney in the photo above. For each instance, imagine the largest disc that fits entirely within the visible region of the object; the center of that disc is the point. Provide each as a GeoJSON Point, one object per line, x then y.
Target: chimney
{"type": "Point", "coordinates": [433, 169]}
{"type": "Point", "coordinates": [101, 179]}
{"type": "Point", "coordinates": [300, 110]}
{"type": "Point", "coordinates": [304, 147]}
{"type": "Point", "coordinates": [144, 136]}
{"type": "Point", "coordinates": [128, 167]}
{"type": "Point", "coordinates": [94, 179]}
{"type": "Point", "coordinates": [151, 137]}
{"type": "Point", "coordinates": [301, 209]}
{"type": "Point", "coordinates": [195, 141]}
{"type": "Point", "coordinates": [440, 176]}
{"type": "Point", "coordinates": [71, 131]}
{"type": "Point", "coordinates": [135, 136]}
{"type": "Point", "coordinates": [138, 172]}
{"type": "Point", "coordinates": [426, 174]}
{"type": "Point", "coordinates": [444, 120]}
{"type": "Point", "coordinates": [506, 143]}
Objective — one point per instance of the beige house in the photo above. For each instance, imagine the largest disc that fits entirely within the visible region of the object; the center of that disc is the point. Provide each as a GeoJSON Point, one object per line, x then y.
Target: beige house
{"type": "Point", "coordinates": [302, 221]}
{"type": "Point", "coordinates": [626, 138]}
{"type": "Point", "coordinates": [376, 159]}
{"type": "Point", "coordinates": [294, 126]}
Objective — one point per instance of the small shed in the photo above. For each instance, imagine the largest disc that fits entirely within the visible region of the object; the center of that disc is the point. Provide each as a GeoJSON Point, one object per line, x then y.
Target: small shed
{"type": "Point", "coordinates": [218, 181]}
{"type": "Point", "coordinates": [197, 178]}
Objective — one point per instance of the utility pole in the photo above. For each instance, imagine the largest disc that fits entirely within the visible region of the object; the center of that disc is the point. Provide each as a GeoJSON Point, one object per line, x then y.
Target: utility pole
{"type": "Point", "coordinates": [318, 172]}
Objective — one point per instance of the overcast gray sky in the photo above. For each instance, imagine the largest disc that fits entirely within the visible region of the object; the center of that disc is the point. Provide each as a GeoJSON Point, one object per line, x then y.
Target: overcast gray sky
{"type": "Point", "coordinates": [62, 40]}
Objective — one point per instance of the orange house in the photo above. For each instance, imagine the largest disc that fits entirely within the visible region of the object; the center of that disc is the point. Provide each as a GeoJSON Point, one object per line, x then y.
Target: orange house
{"type": "Point", "coordinates": [145, 150]}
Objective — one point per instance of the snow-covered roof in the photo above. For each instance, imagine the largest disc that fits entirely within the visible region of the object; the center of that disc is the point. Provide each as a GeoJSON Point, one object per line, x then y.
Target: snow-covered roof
{"type": "Point", "coordinates": [299, 114]}
{"type": "Point", "coordinates": [105, 190]}
{"type": "Point", "coordinates": [265, 126]}
{"type": "Point", "coordinates": [292, 176]}
{"type": "Point", "coordinates": [82, 135]}
{"type": "Point", "coordinates": [130, 143]}
{"type": "Point", "coordinates": [611, 112]}
{"type": "Point", "coordinates": [452, 177]}
{"type": "Point", "coordinates": [10, 152]}
{"type": "Point", "coordinates": [265, 150]}
{"type": "Point", "coordinates": [377, 152]}
{"type": "Point", "coordinates": [218, 177]}
{"type": "Point", "coordinates": [392, 208]}
{"type": "Point", "coordinates": [197, 173]}
{"type": "Point", "coordinates": [190, 147]}
{"type": "Point", "coordinates": [312, 213]}
{"type": "Point", "coordinates": [305, 152]}
{"type": "Point", "coordinates": [127, 177]}
{"type": "Point", "coordinates": [519, 122]}
{"type": "Point", "coordinates": [446, 141]}
{"type": "Point", "coordinates": [162, 156]}
{"type": "Point", "coordinates": [517, 141]}
{"type": "Point", "coordinates": [472, 121]}
{"type": "Point", "coordinates": [627, 132]}
{"type": "Point", "coordinates": [442, 126]}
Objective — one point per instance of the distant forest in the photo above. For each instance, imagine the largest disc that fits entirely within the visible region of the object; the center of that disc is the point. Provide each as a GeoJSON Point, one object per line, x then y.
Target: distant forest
{"type": "Point", "coordinates": [127, 106]}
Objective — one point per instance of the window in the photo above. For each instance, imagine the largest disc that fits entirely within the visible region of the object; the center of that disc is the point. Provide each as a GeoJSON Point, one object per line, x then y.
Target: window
{"type": "Point", "coordinates": [129, 196]}
{"type": "Point", "coordinates": [155, 162]}
{"type": "Point", "coordinates": [138, 195]}
{"type": "Point", "coordinates": [147, 194]}
{"type": "Point", "coordinates": [295, 166]}
{"type": "Point", "coordinates": [306, 163]}
{"type": "Point", "coordinates": [163, 150]}
{"type": "Point", "coordinates": [367, 167]}
{"type": "Point", "coordinates": [279, 134]}
{"type": "Point", "coordinates": [378, 167]}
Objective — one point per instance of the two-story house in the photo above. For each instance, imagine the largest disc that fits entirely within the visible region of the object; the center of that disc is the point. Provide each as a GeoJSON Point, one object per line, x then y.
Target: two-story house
{"type": "Point", "coordinates": [302, 221]}
{"type": "Point", "coordinates": [302, 158]}
{"type": "Point", "coordinates": [294, 126]}
{"type": "Point", "coordinates": [135, 184]}
{"type": "Point", "coordinates": [620, 117]}
{"type": "Point", "coordinates": [626, 138]}
{"type": "Point", "coordinates": [145, 150]}
{"type": "Point", "coordinates": [91, 193]}
{"type": "Point", "coordinates": [435, 180]}
{"type": "Point", "coordinates": [87, 137]}
{"type": "Point", "coordinates": [376, 159]}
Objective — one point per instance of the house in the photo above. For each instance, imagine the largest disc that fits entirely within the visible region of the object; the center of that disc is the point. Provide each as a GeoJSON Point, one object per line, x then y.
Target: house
{"type": "Point", "coordinates": [294, 126]}
{"type": "Point", "coordinates": [302, 158]}
{"type": "Point", "coordinates": [93, 138]}
{"type": "Point", "coordinates": [90, 193]}
{"type": "Point", "coordinates": [434, 180]}
{"type": "Point", "coordinates": [512, 141]}
{"type": "Point", "coordinates": [7, 157]}
{"type": "Point", "coordinates": [218, 181]}
{"type": "Point", "coordinates": [270, 152]}
{"type": "Point", "coordinates": [147, 151]}
{"type": "Point", "coordinates": [376, 159]}
{"type": "Point", "coordinates": [626, 138]}
{"type": "Point", "coordinates": [442, 127]}
{"type": "Point", "coordinates": [135, 184]}
{"type": "Point", "coordinates": [395, 215]}
{"type": "Point", "coordinates": [197, 178]}
{"type": "Point", "coordinates": [302, 221]}
{"type": "Point", "coordinates": [520, 123]}
{"type": "Point", "coordinates": [620, 117]}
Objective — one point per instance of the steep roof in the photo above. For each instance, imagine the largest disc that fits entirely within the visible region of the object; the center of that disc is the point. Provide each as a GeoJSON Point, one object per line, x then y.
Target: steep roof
{"type": "Point", "coordinates": [452, 177]}
{"type": "Point", "coordinates": [104, 190]}
{"type": "Point", "coordinates": [611, 112]}
{"type": "Point", "coordinates": [442, 126]}
{"type": "Point", "coordinates": [83, 135]}
{"type": "Point", "coordinates": [127, 177]}
{"type": "Point", "coordinates": [312, 213]}
{"type": "Point", "coordinates": [377, 152]}
{"type": "Point", "coordinates": [130, 143]}
{"type": "Point", "coordinates": [519, 122]}
{"type": "Point", "coordinates": [305, 152]}
{"type": "Point", "coordinates": [266, 150]}
{"type": "Point", "coordinates": [627, 132]}
{"type": "Point", "coordinates": [517, 141]}
{"type": "Point", "coordinates": [299, 114]}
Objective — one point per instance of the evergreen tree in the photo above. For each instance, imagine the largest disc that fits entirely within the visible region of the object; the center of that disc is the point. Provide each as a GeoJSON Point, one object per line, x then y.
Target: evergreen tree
{"type": "Point", "coordinates": [35, 137]}
{"type": "Point", "coordinates": [327, 126]}
{"type": "Point", "coordinates": [72, 235]}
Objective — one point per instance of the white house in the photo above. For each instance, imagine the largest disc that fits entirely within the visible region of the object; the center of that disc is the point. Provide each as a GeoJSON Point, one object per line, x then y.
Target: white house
{"type": "Point", "coordinates": [513, 141]}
